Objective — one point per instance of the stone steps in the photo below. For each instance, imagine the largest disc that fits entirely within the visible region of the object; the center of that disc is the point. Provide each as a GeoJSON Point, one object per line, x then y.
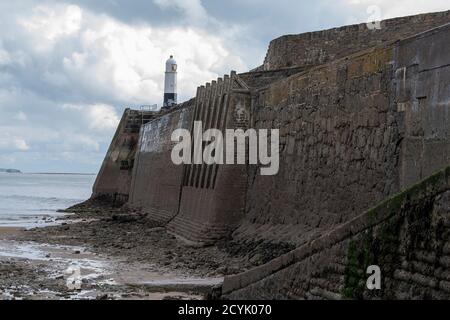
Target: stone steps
{"type": "Point", "coordinates": [159, 215]}
{"type": "Point", "coordinates": [197, 231]}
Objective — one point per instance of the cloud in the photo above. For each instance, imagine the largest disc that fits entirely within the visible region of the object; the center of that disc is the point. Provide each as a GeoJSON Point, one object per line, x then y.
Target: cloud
{"type": "Point", "coordinates": [21, 116]}
{"type": "Point", "coordinates": [193, 9]}
{"type": "Point", "coordinates": [390, 9]}
{"type": "Point", "coordinates": [52, 23]}
{"type": "Point", "coordinates": [10, 143]}
{"type": "Point", "coordinates": [5, 58]}
{"type": "Point", "coordinates": [99, 58]}
{"type": "Point", "coordinates": [98, 117]}
{"type": "Point", "coordinates": [102, 117]}
{"type": "Point", "coordinates": [20, 144]}
{"type": "Point", "coordinates": [66, 74]}
{"type": "Point", "coordinates": [68, 69]}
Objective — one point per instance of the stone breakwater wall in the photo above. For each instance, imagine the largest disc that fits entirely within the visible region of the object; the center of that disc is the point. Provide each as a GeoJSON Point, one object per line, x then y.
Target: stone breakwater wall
{"type": "Point", "coordinates": [114, 178]}
{"type": "Point", "coordinates": [339, 139]}
{"type": "Point", "coordinates": [156, 182]}
{"type": "Point", "coordinates": [353, 131]}
{"type": "Point", "coordinates": [407, 236]}
{"type": "Point", "coordinates": [422, 96]}
{"type": "Point", "coordinates": [315, 48]}
{"type": "Point", "coordinates": [212, 199]}
{"type": "Point", "coordinates": [198, 202]}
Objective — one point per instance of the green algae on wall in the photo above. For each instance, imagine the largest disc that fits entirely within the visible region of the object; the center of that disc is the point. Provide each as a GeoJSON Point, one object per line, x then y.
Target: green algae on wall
{"type": "Point", "coordinates": [403, 224]}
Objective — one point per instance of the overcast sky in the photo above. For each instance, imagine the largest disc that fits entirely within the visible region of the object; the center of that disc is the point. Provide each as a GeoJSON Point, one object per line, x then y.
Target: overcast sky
{"type": "Point", "coordinates": [69, 68]}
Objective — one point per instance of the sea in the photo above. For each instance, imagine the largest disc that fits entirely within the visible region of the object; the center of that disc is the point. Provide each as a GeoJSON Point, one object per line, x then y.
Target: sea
{"type": "Point", "coordinates": [32, 200]}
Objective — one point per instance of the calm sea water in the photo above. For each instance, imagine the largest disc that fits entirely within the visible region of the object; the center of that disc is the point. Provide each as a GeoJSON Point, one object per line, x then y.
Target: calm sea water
{"type": "Point", "coordinates": [29, 200]}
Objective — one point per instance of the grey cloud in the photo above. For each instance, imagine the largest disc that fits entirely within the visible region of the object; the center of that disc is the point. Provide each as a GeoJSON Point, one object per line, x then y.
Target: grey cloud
{"type": "Point", "coordinates": [65, 78]}
{"type": "Point", "coordinates": [59, 75]}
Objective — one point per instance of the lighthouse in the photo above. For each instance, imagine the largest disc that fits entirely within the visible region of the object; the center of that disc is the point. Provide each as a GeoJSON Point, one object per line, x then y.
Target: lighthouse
{"type": "Point", "coordinates": [170, 83]}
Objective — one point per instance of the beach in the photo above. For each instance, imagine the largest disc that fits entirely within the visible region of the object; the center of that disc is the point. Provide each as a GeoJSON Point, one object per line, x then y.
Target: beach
{"type": "Point", "coordinates": [120, 255]}
{"type": "Point", "coordinates": [55, 245]}
{"type": "Point", "coordinates": [93, 251]}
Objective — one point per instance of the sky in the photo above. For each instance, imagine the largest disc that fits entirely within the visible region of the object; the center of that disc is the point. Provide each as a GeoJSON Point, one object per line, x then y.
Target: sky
{"type": "Point", "coordinates": [68, 69]}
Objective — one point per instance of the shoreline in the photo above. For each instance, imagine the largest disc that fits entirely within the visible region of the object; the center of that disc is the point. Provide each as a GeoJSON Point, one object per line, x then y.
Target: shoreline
{"type": "Point", "coordinates": [10, 231]}
{"type": "Point", "coordinates": [124, 256]}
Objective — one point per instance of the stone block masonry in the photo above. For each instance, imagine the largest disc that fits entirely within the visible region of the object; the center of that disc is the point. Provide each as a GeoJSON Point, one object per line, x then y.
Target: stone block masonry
{"type": "Point", "coordinates": [213, 196]}
{"type": "Point", "coordinates": [114, 178]}
{"type": "Point", "coordinates": [339, 139]}
{"type": "Point", "coordinates": [316, 48]}
{"type": "Point", "coordinates": [198, 202]}
{"type": "Point", "coordinates": [156, 183]}
{"type": "Point", "coordinates": [407, 236]}
{"type": "Point", "coordinates": [352, 133]}
{"type": "Point", "coordinates": [422, 82]}
{"type": "Point", "coordinates": [363, 114]}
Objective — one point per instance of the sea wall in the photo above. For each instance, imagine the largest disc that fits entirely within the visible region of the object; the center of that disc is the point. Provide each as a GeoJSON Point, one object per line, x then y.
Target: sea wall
{"type": "Point", "coordinates": [213, 196]}
{"type": "Point", "coordinates": [352, 133]}
{"type": "Point", "coordinates": [114, 178]}
{"type": "Point", "coordinates": [407, 236]}
{"type": "Point", "coordinates": [423, 96]}
{"type": "Point", "coordinates": [339, 136]}
{"type": "Point", "coordinates": [156, 183]}
{"type": "Point", "coordinates": [198, 202]}
{"type": "Point", "coordinates": [314, 48]}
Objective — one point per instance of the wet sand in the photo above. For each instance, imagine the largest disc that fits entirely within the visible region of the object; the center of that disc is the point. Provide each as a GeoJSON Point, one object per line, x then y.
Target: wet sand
{"type": "Point", "coordinates": [118, 256]}
{"type": "Point", "coordinates": [10, 232]}
{"type": "Point", "coordinates": [121, 254]}
{"type": "Point", "coordinates": [40, 270]}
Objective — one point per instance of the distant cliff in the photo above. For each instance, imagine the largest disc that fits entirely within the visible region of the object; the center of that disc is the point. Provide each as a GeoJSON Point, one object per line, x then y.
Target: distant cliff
{"type": "Point", "coordinates": [10, 170]}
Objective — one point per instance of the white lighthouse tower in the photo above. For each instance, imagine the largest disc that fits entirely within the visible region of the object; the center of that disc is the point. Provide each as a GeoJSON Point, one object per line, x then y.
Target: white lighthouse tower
{"type": "Point", "coordinates": [170, 83]}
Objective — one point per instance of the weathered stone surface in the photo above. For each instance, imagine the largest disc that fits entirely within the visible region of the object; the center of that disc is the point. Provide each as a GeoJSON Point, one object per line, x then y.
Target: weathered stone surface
{"type": "Point", "coordinates": [403, 236]}
{"type": "Point", "coordinates": [337, 142]}
{"type": "Point", "coordinates": [212, 197]}
{"type": "Point", "coordinates": [114, 179]}
{"type": "Point", "coordinates": [155, 188]}
{"type": "Point", "coordinates": [422, 84]}
{"type": "Point", "coordinates": [315, 48]}
{"type": "Point", "coordinates": [361, 117]}
{"type": "Point", "coordinates": [344, 144]}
